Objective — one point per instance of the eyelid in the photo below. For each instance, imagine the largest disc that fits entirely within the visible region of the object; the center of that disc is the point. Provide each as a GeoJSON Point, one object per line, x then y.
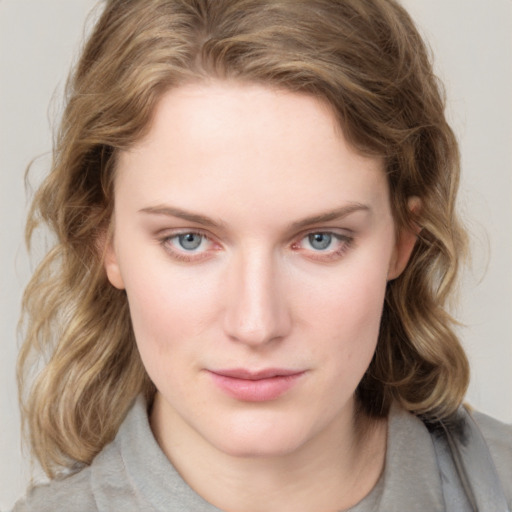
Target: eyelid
{"type": "Point", "coordinates": [345, 239]}
{"type": "Point", "coordinates": [336, 232]}
{"type": "Point", "coordinates": [166, 236]}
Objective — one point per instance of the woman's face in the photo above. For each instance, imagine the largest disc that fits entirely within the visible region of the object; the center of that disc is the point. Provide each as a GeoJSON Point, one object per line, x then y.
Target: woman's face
{"type": "Point", "coordinates": [255, 246]}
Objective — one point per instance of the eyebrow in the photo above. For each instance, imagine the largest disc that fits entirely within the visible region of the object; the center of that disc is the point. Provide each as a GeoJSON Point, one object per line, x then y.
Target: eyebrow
{"type": "Point", "coordinates": [328, 216]}
{"type": "Point", "coordinates": [337, 214]}
{"type": "Point", "coordinates": [171, 211]}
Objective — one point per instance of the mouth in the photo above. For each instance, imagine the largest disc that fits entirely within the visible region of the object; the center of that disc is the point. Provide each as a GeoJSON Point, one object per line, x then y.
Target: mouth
{"type": "Point", "coordinates": [256, 386]}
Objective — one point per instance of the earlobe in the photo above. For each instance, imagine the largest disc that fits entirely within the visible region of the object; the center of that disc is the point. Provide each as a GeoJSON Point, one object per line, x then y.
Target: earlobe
{"type": "Point", "coordinates": [405, 243]}
{"type": "Point", "coordinates": [403, 250]}
{"type": "Point", "coordinates": [111, 265]}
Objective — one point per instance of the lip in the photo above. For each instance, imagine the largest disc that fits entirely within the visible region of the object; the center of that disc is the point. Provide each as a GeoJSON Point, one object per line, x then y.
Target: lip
{"type": "Point", "coordinates": [256, 386]}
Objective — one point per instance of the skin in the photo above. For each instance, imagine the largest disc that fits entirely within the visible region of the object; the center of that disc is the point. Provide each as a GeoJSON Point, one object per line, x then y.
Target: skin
{"type": "Point", "coordinates": [251, 170]}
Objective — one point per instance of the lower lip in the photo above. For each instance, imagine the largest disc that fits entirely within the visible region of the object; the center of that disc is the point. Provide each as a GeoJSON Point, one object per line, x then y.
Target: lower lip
{"type": "Point", "coordinates": [261, 390]}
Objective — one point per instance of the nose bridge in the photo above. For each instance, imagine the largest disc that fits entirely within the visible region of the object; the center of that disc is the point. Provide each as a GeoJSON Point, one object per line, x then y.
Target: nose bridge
{"type": "Point", "coordinates": [257, 310]}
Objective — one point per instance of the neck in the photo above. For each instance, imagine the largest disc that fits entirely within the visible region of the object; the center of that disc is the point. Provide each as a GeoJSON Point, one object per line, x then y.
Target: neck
{"type": "Point", "coordinates": [333, 471]}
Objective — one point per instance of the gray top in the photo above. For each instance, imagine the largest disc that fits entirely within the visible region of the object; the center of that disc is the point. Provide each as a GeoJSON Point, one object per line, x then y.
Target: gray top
{"type": "Point", "coordinates": [133, 474]}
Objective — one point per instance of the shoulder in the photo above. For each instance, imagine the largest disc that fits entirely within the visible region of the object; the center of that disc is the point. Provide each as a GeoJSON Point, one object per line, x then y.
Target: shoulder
{"type": "Point", "coordinates": [498, 436]}
{"type": "Point", "coordinates": [83, 491]}
{"type": "Point", "coordinates": [101, 486]}
{"type": "Point", "coordinates": [73, 492]}
{"type": "Point", "coordinates": [94, 488]}
{"type": "Point", "coordinates": [104, 485]}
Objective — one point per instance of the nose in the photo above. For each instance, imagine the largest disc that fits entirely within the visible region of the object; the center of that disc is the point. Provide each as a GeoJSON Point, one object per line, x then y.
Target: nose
{"type": "Point", "coordinates": [257, 310]}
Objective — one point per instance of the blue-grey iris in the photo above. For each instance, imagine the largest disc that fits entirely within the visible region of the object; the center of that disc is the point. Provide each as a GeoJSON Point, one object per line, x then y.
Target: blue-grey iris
{"type": "Point", "coordinates": [190, 241]}
{"type": "Point", "coordinates": [320, 241]}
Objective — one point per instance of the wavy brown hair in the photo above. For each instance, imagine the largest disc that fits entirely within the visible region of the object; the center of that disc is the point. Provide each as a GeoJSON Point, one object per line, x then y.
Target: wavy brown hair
{"type": "Point", "coordinates": [364, 58]}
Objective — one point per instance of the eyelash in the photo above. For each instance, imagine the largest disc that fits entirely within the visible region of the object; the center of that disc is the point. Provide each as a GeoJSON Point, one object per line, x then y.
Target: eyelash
{"type": "Point", "coordinates": [185, 256]}
{"type": "Point", "coordinates": [344, 241]}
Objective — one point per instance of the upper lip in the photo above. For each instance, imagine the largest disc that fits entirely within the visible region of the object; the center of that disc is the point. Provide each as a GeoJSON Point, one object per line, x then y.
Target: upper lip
{"type": "Point", "coordinates": [266, 373]}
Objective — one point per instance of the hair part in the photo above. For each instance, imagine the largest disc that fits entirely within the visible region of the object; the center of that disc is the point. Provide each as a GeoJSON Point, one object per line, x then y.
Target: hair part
{"type": "Point", "coordinates": [367, 61]}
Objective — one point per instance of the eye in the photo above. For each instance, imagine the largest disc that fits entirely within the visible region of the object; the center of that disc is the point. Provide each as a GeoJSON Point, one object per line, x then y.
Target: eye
{"type": "Point", "coordinates": [189, 241]}
{"type": "Point", "coordinates": [320, 241]}
{"type": "Point", "coordinates": [189, 246]}
{"type": "Point", "coordinates": [323, 245]}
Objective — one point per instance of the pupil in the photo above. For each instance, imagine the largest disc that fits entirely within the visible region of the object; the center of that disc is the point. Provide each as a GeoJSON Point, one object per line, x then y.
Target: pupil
{"type": "Point", "coordinates": [320, 240]}
{"type": "Point", "coordinates": [190, 241]}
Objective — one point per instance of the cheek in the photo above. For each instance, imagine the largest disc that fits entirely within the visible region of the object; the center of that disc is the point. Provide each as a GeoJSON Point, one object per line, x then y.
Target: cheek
{"type": "Point", "coordinates": [352, 300]}
{"type": "Point", "coordinates": [166, 327]}
{"type": "Point", "coordinates": [167, 306]}
{"type": "Point", "coordinates": [344, 316]}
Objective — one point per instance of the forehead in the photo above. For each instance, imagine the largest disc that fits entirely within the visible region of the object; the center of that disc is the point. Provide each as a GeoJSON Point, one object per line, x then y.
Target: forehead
{"type": "Point", "coordinates": [252, 144]}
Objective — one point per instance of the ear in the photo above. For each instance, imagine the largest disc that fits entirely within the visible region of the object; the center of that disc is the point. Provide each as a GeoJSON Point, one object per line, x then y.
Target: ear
{"type": "Point", "coordinates": [406, 239]}
{"type": "Point", "coordinates": [111, 264]}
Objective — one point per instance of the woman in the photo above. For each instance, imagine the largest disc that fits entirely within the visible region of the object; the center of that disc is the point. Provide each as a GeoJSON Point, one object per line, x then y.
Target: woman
{"type": "Point", "coordinates": [254, 205]}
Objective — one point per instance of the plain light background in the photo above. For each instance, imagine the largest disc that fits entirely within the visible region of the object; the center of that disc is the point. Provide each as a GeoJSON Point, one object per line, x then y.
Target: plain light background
{"type": "Point", "coordinates": [472, 43]}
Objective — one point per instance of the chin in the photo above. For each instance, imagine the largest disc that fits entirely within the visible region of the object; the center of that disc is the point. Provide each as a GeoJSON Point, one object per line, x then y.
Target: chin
{"type": "Point", "coordinates": [259, 446]}
{"type": "Point", "coordinates": [260, 437]}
